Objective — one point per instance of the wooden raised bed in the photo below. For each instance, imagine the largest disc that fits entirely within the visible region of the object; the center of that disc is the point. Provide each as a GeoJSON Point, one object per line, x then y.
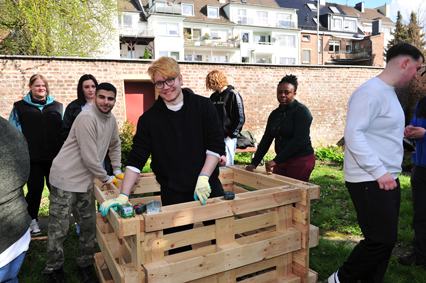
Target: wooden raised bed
{"type": "Point", "coordinates": [261, 236]}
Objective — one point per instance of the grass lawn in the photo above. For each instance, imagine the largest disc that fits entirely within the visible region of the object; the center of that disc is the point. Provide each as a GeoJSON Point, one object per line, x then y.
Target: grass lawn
{"type": "Point", "coordinates": [333, 212]}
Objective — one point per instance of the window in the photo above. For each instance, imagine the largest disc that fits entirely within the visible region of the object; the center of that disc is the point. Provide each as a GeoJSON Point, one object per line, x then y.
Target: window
{"type": "Point", "coordinates": [174, 55]}
{"type": "Point", "coordinates": [306, 56]}
{"type": "Point", "coordinates": [357, 46]}
{"type": "Point", "coordinates": [168, 29]}
{"type": "Point", "coordinates": [334, 45]}
{"type": "Point", "coordinates": [287, 61]}
{"type": "Point", "coordinates": [262, 17]}
{"type": "Point", "coordinates": [334, 9]}
{"type": "Point", "coordinates": [242, 17]}
{"type": "Point", "coordinates": [337, 23]}
{"type": "Point", "coordinates": [220, 58]}
{"type": "Point", "coordinates": [287, 40]}
{"type": "Point", "coordinates": [191, 57]}
{"type": "Point", "coordinates": [260, 38]}
{"type": "Point", "coordinates": [192, 33]}
{"type": "Point", "coordinates": [245, 59]}
{"type": "Point", "coordinates": [306, 38]}
{"type": "Point", "coordinates": [187, 9]}
{"type": "Point", "coordinates": [212, 12]}
{"type": "Point", "coordinates": [125, 21]}
{"type": "Point", "coordinates": [348, 46]}
{"type": "Point", "coordinates": [351, 25]}
{"type": "Point", "coordinates": [312, 7]}
{"type": "Point", "coordinates": [263, 60]}
{"type": "Point", "coordinates": [245, 37]}
{"type": "Point", "coordinates": [218, 34]}
{"type": "Point", "coordinates": [284, 20]}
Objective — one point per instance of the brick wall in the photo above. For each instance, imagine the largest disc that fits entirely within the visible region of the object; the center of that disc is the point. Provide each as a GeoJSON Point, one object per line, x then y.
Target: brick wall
{"type": "Point", "coordinates": [324, 90]}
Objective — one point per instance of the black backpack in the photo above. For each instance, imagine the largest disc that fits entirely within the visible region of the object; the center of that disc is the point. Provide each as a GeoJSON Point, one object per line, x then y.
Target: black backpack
{"type": "Point", "coordinates": [246, 139]}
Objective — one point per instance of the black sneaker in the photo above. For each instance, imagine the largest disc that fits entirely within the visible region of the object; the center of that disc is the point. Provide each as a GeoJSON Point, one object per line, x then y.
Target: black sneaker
{"type": "Point", "coordinates": [87, 274]}
{"type": "Point", "coordinates": [412, 259]}
{"type": "Point", "coordinates": [57, 276]}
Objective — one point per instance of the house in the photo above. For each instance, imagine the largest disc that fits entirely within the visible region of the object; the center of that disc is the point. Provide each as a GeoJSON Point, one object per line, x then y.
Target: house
{"type": "Point", "coordinates": [343, 32]}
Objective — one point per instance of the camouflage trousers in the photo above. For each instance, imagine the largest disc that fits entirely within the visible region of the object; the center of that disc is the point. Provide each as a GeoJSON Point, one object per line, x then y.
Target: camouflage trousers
{"type": "Point", "coordinates": [62, 203]}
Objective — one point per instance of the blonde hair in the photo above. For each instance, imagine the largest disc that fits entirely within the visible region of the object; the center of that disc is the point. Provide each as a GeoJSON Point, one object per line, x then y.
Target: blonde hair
{"type": "Point", "coordinates": [36, 77]}
{"type": "Point", "coordinates": [165, 66]}
{"type": "Point", "coordinates": [216, 80]}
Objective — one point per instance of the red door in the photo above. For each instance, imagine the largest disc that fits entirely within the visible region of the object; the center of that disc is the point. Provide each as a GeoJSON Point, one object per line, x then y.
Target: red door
{"type": "Point", "coordinates": [140, 96]}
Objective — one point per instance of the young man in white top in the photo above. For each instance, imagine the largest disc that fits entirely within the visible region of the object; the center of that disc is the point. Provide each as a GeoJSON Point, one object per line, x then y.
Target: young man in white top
{"type": "Point", "coordinates": [373, 156]}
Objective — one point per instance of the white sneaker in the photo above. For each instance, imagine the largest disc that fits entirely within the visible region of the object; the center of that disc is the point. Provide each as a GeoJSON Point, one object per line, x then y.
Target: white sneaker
{"type": "Point", "coordinates": [35, 230]}
{"type": "Point", "coordinates": [333, 278]}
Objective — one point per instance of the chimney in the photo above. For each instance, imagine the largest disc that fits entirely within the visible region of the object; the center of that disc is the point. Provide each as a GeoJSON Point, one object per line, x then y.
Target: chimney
{"type": "Point", "coordinates": [360, 7]}
{"type": "Point", "coordinates": [321, 2]}
{"type": "Point", "coordinates": [385, 10]}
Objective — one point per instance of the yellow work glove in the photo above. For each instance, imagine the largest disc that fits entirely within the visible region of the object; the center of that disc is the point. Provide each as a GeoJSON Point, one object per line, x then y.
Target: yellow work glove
{"type": "Point", "coordinates": [119, 175]}
{"type": "Point", "coordinates": [202, 189]}
{"type": "Point", "coordinates": [111, 180]}
{"type": "Point", "coordinates": [122, 199]}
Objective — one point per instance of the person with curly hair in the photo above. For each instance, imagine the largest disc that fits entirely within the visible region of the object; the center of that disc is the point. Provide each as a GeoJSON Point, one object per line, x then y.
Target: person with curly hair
{"type": "Point", "coordinates": [230, 108]}
{"type": "Point", "coordinates": [289, 125]}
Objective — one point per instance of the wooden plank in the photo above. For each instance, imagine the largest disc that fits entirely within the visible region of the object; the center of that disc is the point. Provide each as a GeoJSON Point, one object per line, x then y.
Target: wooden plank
{"type": "Point", "coordinates": [188, 237]}
{"type": "Point", "coordinates": [291, 278]}
{"type": "Point", "coordinates": [300, 257]}
{"type": "Point", "coordinates": [222, 261]}
{"type": "Point", "coordinates": [284, 217]}
{"type": "Point", "coordinates": [227, 277]}
{"type": "Point", "coordinates": [267, 277]}
{"type": "Point", "coordinates": [313, 276]}
{"type": "Point", "coordinates": [300, 216]}
{"type": "Point", "coordinates": [255, 267]}
{"type": "Point", "coordinates": [153, 247]}
{"type": "Point", "coordinates": [254, 222]}
{"type": "Point", "coordinates": [191, 254]}
{"type": "Point", "coordinates": [313, 236]}
{"type": "Point", "coordinates": [283, 264]}
{"type": "Point", "coordinates": [101, 269]}
{"type": "Point", "coordinates": [225, 232]}
{"type": "Point", "coordinates": [110, 256]}
{"type": "Point", "coordinates": [256, 237]}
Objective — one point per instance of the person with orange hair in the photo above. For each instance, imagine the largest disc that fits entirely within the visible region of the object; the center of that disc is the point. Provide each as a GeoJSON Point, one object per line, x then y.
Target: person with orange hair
{"type": "Point", "coordinates": [183, 134]}
{"type": "Point", "coordinates": [230, 108]}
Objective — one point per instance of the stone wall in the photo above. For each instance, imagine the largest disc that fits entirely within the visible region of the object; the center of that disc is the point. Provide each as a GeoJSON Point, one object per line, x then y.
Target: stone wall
{"type": "Point", "coordinates": [324, 90]}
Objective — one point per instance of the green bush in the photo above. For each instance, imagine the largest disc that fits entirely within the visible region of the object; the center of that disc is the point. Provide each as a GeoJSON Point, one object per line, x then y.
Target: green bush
{"type": "Point", "coordinates": [335, 154]}
{"type": "Point", "coordinates": [126, 132]}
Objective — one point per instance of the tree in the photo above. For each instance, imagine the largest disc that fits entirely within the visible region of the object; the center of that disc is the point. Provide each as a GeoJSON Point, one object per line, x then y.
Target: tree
{"type": "Point", "coordinates": [399, 34]}
{"type": "Point", "coordinates": [58, 28]}
{"type": "Point", "coordinates": [146, 54]}
{"type": "Point", "coordinates": [415, 35]}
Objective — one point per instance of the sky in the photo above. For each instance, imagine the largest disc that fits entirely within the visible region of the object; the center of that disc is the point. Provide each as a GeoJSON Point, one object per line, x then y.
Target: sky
{"type": "Point", "coordinates": [405, 6]}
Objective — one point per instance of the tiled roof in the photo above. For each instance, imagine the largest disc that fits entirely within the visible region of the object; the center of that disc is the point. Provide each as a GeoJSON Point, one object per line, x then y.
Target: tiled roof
{"type": "Point", "coordinates": [128, 5]}
{"type": "Point", "coordinates": [370, 14]}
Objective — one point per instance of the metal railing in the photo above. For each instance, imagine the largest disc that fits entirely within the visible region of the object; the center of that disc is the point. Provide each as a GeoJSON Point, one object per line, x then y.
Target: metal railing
{"type": "Point", "coordinates": [166, 8]}
{"type": "Point", "coordinates": [137, 31]}
{"type": "Point", "coordinates": [243, 20]}
{"type": "Point", "coordinates": [354, 54]}
{"type": "Point", "coordinates": [212, 43]}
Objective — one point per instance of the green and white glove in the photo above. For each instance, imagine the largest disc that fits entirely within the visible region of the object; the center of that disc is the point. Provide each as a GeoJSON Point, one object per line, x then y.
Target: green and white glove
{"type": "Point", "coordinates": [111, 180]}
{"type": "Point", "coordinates": [202, 189]}
{"type": "Point", "coordinates": [122, 199]}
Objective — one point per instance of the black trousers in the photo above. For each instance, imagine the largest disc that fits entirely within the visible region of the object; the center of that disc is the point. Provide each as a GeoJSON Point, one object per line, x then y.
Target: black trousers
{"type": "Point", "coordinates": [377, 211]}
{"type": "Point", "coordinates": [35, 185]}
{"type": "Point", "coordinates": [418, 185]}
{"type": "Point", "coordinates": [170, 197]}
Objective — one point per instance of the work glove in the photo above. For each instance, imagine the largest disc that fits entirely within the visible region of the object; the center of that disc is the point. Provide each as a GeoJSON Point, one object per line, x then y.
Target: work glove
{"type": "Point", "coordinates": [122, 199]}
{"type": "Point", "coordinates": [111, 180]}
{"type": "Point", "coordinates": [119, 175]}
{"type": "Point", "coordinates": [202, 189]}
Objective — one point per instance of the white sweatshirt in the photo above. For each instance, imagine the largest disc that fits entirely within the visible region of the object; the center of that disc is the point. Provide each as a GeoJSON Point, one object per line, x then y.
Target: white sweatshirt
{"type": "Point", "coordinates": [373, 133]}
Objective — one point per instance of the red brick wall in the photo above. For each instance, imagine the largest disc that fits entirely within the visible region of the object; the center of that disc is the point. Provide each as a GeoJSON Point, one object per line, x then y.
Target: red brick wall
{"type": "Point", "coordinates": [324, 90]}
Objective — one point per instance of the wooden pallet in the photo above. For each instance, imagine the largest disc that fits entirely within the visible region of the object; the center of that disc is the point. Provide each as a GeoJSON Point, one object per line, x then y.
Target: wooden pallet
{"type": "Point", "coordinates": [261, 236]}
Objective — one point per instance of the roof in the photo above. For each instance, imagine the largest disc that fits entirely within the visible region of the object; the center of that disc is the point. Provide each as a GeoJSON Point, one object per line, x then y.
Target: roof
{"type": "Point", "coordinates": [370, 14]}
{"type": "Point", "coordinates": [129, 6]}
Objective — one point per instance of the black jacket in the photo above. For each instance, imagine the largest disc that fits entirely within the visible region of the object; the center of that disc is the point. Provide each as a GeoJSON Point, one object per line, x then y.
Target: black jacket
{"type": "Point", "coordinates": [178, 141]}
{"type": "Point", "coordinates": [230, 108]}
{"type": "Point", "coordinates": [71, 112]}
{"type": "Point", "coordinates": [42, 129]}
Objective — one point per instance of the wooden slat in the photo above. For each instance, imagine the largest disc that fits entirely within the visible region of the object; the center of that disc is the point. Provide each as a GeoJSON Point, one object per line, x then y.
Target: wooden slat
{"type": "Point", "coordinates": [291, 278]}
{"type": "Point", "coordinates": [188, 237]}
{"type": "Point", "coordinates": [153, 247]}
{"type": "Point", "coordinates": [221, 261]}
{"type": "Point", "coordinates": [313, 236]}
{"type": "Point", "coordinates": [225, 232]}
{"type": "Point", "coordinates": [254, 222]}
{"type": "Point", "coordinates": [101, 269]}
{"type": "Point", "coordinates": [300, 216]}
{"type": "Point", "coordinates": [284, 217]}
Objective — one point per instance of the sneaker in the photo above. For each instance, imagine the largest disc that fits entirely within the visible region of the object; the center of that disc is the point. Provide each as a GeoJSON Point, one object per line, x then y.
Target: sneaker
{"type": "Point", "coordinates": [412, 259]}
{"type": "Point", "coordinates": [57, 276]}
{"type": "Point", "coordinates": [333, 278]}
{"type": "Point", "coordinates": [87, 275]}
{"type": "Point", "coordinates": [34, 229]}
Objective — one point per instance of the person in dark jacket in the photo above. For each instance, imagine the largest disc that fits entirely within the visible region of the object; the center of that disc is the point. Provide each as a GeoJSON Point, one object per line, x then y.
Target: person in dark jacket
{"type": "Point", "coordinates": [230, 107]}
{"type": "Point", "coordinates": [183, 134]}
{"type": "Point", "coordinates": [289, 125]}
{"type": "Point", "coordinates": [14, 218]}
{"type": "Point", "coordinates": [39, 117]}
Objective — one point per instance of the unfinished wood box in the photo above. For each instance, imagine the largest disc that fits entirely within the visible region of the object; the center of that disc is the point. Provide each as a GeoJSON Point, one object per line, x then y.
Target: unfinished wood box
{"type": "Point", "coordinates": [261, 236]}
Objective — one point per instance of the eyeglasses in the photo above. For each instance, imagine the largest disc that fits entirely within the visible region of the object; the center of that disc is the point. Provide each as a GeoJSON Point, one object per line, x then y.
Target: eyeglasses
{"type": "Point", "coordinates": [169, 82]}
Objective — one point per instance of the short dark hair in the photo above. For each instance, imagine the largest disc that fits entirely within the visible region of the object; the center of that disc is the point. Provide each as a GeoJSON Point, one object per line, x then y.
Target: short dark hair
{"type": "Point", "coordinates": [291, 79]}
{"type": "Point", "coordinates": [406, 49]}
{"type": "Point", "coordinates": [80, 94]}
{"type": "Point", "coordinates": [107, 87]}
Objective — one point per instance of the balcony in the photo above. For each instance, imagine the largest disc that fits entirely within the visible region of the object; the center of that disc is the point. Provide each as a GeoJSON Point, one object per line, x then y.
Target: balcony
{"type": "Point", "coordinates": [355, 55]}
{"type": "Point", "coordinates": [142, 31]}
{"type": "Point", "coordinates": [166, 8]}
{"type": "Point", "coordinates": [265, 22]}
{"type": "Point", "coordinates": [231, 43]}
